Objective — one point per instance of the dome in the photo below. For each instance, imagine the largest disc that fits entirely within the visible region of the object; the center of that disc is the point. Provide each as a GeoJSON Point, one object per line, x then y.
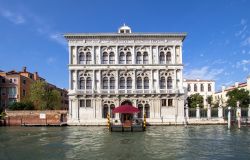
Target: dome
{"type": "Point", "coordinates": [124, 29]}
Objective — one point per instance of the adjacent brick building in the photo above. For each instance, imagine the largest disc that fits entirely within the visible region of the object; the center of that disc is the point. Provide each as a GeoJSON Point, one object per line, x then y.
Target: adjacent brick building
{"type": "Point", "coordinates": [15, 87]}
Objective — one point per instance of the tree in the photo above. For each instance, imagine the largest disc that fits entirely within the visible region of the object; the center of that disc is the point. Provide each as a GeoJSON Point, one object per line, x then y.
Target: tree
{"type": "Point", "coordinates": [209, 99]}
{"type": "Point", "coordinates": [44, 97]}
{"type": "Point", "coordinates": [22, 106]}
{"type": "Point", "coordinates": [195, 99]}
{"type": "Point", "coordinates": [240, 95]}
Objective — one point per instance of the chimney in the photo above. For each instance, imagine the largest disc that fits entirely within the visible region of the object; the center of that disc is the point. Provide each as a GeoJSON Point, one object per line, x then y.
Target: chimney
{"type": "Point", "coordinates": [36, 77]}
{"type": "Point", "coordinates": [24, 69]}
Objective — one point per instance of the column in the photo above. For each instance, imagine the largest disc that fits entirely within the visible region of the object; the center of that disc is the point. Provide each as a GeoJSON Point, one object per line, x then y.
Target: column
{"type": "Point", "coordinates": [100, 81]}
{"type": "Point", "coordinates": [70, 80]}
{"type": "Point", "coordinates": [100, 55]}
{"type": "Point", "coordinates": [70, 60]}
{"type": "Point", "coordinates": [76, 55]}
{"type": "Point", "coordinates": [93, 55]}
{"type": "Point", "coordinates": [77, 109]}
{"type": "Point", "coordinates": [150, 54]}
{"type": "Point", "coordinates": [174, 81]}
{"type": "Point", "coordinates": [133, 55]}
{"type": "Point", "coordinates": [174, 55]}
{"type": "Point", "coordinates": [209, 111]}
{"type": "Point", "coordinates": [152, 82]}
{"type": "Point", "coordinates": [187, 111]}
{"type": "Point", "coordinates": [180, 54]}
{"type": "Point", "coordinates": [220, 112]}
{"type": "Point", "coordinates": [93, 82]}
{"type": "Point", "coordinates": [134, 81]}
{"type": "Point", "coordinates": [117, 81]}
{"type": "Point", "coordinates": [198, 112]}
{"type": "Point", "coordinates": [116, 55]}
{"type": "Point", "coordinates": [158, 82]}
{"type": "Point", "coordinates": [157, 55]}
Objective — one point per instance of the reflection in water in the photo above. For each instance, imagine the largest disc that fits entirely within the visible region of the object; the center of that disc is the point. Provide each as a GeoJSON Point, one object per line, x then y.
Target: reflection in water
{"type": "Point", "coordinates": [166, 142]}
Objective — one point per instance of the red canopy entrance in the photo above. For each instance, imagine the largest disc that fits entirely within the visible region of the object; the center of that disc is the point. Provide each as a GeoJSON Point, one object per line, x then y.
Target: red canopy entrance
{"type": "Point", "coordinates": [126, 109]}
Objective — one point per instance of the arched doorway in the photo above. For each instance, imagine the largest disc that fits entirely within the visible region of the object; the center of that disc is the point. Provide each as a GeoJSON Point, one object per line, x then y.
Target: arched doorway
{"type": "Point", "coordinates": [140, 114]}
{"type": "Point", "coordinates": [126, 102]}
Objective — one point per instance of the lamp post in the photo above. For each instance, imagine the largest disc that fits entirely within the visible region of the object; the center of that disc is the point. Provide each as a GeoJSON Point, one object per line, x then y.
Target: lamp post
{"type": "Point", "coordinates": [229, 118]}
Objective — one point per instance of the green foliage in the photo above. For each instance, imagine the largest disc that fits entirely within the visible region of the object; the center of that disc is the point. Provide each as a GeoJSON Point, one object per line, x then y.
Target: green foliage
{"type": "Point", "coordinates": [22, 106]}
{"type": "Point", "coordinates": [209, 99]}
{"type": "Point", "coordinates": [195, 99]}
{"type": "Point", "coordinates": [240, 95]}
{"type": "Point", "coordinates": [44, 97]}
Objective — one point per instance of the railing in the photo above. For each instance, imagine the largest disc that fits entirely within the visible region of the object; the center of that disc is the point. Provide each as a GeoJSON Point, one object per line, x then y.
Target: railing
{"type": "Point", "coordinates": [12, 95]}
{"type": "Point", "coordinates": [214, 112]}
{"type": "Point", "coordinates": [192, 112]}
{"type": "Point", "coordinates": [203, 113]}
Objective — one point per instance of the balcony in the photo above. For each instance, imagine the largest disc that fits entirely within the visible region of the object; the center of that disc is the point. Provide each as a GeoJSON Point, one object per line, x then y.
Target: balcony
{"type": "Point", "coordinates": [12, 95]}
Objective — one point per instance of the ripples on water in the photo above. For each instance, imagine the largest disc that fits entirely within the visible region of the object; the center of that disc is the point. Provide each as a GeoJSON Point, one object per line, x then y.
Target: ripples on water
{"type": "Point", "coordinates": [159, 142]}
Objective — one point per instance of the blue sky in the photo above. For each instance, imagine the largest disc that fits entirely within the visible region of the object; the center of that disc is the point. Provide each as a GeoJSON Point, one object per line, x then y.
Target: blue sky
{"type": "Point", "coordinates": [217, 46]}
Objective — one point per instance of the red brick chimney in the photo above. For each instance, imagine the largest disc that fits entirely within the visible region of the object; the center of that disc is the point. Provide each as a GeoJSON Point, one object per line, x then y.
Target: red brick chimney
{"type": "Point", "coordinates": [36, 77]}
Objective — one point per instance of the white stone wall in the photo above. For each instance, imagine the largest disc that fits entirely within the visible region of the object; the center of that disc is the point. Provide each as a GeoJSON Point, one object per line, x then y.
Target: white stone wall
{"type": "Point", "coordinates": [96, 70]}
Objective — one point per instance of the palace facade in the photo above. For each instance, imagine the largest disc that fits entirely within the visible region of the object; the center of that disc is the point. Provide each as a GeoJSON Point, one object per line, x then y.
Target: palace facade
{"type": "Point", "coordinates": [110, 69]}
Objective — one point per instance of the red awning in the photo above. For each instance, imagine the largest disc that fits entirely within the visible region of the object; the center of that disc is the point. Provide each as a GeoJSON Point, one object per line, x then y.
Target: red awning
{"type": "Point", "coordinates": [126, 109]}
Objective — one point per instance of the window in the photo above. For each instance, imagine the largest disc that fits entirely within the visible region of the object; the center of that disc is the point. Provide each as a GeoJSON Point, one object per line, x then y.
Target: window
{"type": "Point", "coordinates": [129, 83]}
{"type": "Point", "coordinates": [10, 80]}
{"type": "Point", "coordinates": [82, 103]}
{"type": "Point", "coordinates": [140, 107]}
{"type": "Point", "coordinates": [146, 83]}
{"type": "Point", "coordinates": [112, 83]}
{"type": "Point", "coordinates": [112, 58]}
{"type": "Point", "coordinates": [88, 58]}
{"type": "Point", "coordinates": [145, 58]}
{"type": "Point", "coordinates": [12, 91]}
{"type": "Point", "coordinates": [195, 87]}
{"type": "Point", "coordinates": [129, 58]}
{"type": "Point", "coordinates": [169, 83]}
{"type": "Point", "coordinates": [209, 87]}
{"type": "Point", "coordinates": [202, 88]}
{"type": "Point", "coordinates": [81, 58]}
{"type": "Point", "coordinates": [139, 58]}
{"type": "Point", "coordinates": [88, 103]}
{"type": "Point", "coordinates": [24, 92]}
{"type": "Point", "coordinates": [89, 83]}
{"type": "Point", "coordinates": [105, 111]}
{"type": "Point", "coordinates": [82, 83]}
{"type": "Point", "coordinates": [24, 81]}
{"type": "Point", "coordinates": [162, 83]}
{"type": "Point", "coordinates": [105, 58]}
{"type": "Point", "coordinates": [163, 102]}
{"type": "Point", "coordinates": [162, 58]}
{"type": "Point", "coordinates": [170, 102]}
{"type": "Point", "coordinates": [122, 58]}
{"type": "Point", "coordinates": [105, 83]}
{"type": "Point", "coordinates": [122, 83]}
{"type": "Point", "coordinates": [139, 83]}
{"type": "Point", "coordinates": [112, 106]}
{"type": "Point", "coordinates": [147, 110]}
{"type": "Point", "coordinates": [189, 88]}
{"type": "Point", "coordinates": [168, 57]}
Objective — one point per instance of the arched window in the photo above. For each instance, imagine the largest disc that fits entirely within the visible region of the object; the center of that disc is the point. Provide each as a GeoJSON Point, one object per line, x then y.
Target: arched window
{"type": "Point", "coordinates": [189, 88]}
{"type": "Point", "coordinates": [169, 83]}
{"type": "Point", "coordinates": [88, 58]}
{"type": "Point", "coordinates": [168, 57]}
{"type": "Point", "coordinates": [145, 58]}
{"type": "Point", "coordinates": [112, 58]}
{"type": "Point", "coordinates": [139, 83]}
{"type": "Point", "coordinates": [122, 83]}
{"type": "Point", "coordinates": [147, 110]}
{"type": "Point", "coordinates": [202, 88]}
{"type": "Point", "coordinates": [122, 58]}
{"type": "Point", "coordinates": [162, 83]}
{"type": "Point", "coordinates": [140, 107]}
{"type": "Point", "coordinates": [162, 58]}
{"type": "Point", "coordinates": [81, 58]}
{"type": "Point", "coordinates": [129, 58]}
{"type": "Point", "coordinates": [139, 58]}
{"type": "Point", "coordinates": [146, 83]}
{"type": "Point", "coordinates": [105, 83]}
{"type": "Point", "coordinates": [112, 106]}
{"type": "Point", "coordinates": [195, 87]}
{"type": "Point", "coordinates": [129, 83]}
{"type": "Point", "coordinates": [105, 111]}
{"type": "Point", "coordinates": [89, 83]}
{"type": "Point", "coordinates": [112, 83]}
{"type": "Point", "coordinates": [105, 58]}
{"type": "Point", "coordinates": [209, 88]}
{"type": "Point", "coordinates": [82, 83]}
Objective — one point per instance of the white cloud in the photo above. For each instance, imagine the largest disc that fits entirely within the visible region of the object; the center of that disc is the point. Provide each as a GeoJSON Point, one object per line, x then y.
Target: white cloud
{"type": "Point", "coordinates": [246, 42]}
{"type": "Point", "coordinates": [244, 64]}
{"type": "Point", "coordinates": [203, 73]}
{"type": "Point", "coordinates": [15, 18]}
{"type": "Point", "coordinates": [50, 60]}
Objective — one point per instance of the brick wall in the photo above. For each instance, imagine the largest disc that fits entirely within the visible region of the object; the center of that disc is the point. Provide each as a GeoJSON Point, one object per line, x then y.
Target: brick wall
{"type": "Point", "coordinates": [49, 117]}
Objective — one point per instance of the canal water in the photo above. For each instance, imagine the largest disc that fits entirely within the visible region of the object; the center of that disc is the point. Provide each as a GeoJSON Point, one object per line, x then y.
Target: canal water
{"type": "Point", "coordinates": [158, 142]}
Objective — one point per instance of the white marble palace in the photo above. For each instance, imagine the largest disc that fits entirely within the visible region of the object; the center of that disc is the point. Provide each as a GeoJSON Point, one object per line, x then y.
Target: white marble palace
{"type": "Point", "coordinates": [110, 69]}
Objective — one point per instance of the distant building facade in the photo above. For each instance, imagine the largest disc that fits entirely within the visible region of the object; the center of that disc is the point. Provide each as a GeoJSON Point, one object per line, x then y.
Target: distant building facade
{"type": "Point", "coordinates": [15, 87]}
{"type": "Point", "coordinates": [203, 87]}
{"type": "Point", "coordinates": [110, 69]}
{"type": "Point", "coordinates": [220, 96]}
